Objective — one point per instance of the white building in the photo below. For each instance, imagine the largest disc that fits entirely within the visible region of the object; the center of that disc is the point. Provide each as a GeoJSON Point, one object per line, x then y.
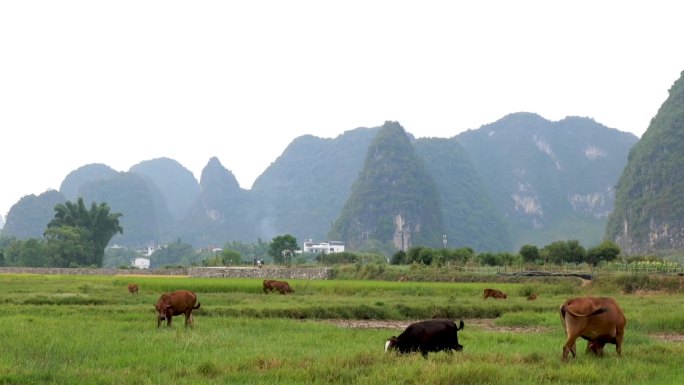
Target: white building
{"type": "Point", "coordinates": [141, 263]}
{"type": "Point", "coordinates": [322, 247]}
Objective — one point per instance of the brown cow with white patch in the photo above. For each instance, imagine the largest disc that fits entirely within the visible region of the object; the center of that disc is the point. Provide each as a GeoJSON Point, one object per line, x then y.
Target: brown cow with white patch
{"type": "Point", "coordinates": [133, 288]}
{"type": "Point", "coordinates": [493, 293]}
{"type": "Point", "coordinates": [598, 320]}
{"type": "Point", "coordinates": [176, 303]}
{"type": "Point", "coordinates": [281, 286]}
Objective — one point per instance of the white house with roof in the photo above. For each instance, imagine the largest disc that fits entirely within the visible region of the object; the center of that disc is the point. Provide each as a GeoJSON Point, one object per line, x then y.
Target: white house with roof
{"type": "Point", "coordinates": [141, 263]}
{"type": "Point", "coordinates": [325, 247]}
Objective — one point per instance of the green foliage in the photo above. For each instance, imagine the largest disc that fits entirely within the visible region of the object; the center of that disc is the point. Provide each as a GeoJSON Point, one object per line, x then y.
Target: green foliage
{"type": "Point", "coordinates": [560, 252]}
{"type": "Point", "coordinates": [69, 246]}
{"type": "Point", "coordinates": [607, 251]}
{"type": "Point", "coordinates": [78, 236]}
{"type": "Point", "coordinates": [634, 283]}
{"type": "Point", "coordinates": [282, 249]}
{"type": "Point", "coordinates": [29, 252]}
{"type": "Point", "coordinates": [529, 253]}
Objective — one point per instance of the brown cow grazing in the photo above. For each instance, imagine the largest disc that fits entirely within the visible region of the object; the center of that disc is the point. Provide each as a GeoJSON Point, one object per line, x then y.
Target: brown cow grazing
{"type": "Point", "coordinates": [281, 286]}
{"type": "Point", "coordinates": [133, 288]}
{"type": "Point", "coordinates": [493, 293]}
{"type": "Point", "coordinates": [532, 297]}
{"type": "Point", "coordinates": [598, 320]}
{"type": "Point", "coordinates": [176, 303]}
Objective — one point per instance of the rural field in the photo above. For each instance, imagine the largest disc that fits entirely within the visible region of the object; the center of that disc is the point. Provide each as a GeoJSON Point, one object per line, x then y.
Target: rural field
{"type": "Point", "coordinates": [89, 330]}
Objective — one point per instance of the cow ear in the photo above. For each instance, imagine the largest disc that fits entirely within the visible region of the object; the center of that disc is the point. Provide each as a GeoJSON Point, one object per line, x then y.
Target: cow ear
{"type": "Point", "coordinates": [460, 325]}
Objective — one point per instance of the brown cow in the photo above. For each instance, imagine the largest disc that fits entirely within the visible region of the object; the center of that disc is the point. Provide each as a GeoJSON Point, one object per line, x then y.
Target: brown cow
{"type": "Point", "coordinates": [532, 297]}
{"type": "Point", "coordinates": [281, 286]}
{"type": "Point", "coordinates": [493, 293]}
{"type": "Point", "coordinates": [599, 320]}
{"type": "Point", "coordinates": [176, 303]}
{"type": "Point", "coordinates": [133, 288]}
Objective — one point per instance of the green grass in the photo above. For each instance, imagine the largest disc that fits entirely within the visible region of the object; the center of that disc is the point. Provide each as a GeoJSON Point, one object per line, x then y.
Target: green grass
{"type": "Point", "coordinates": [90, 330]}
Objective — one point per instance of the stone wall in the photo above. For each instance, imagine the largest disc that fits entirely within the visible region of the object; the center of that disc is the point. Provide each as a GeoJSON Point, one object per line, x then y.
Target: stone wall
{"type": "Point", "coordinates": [202, 272]}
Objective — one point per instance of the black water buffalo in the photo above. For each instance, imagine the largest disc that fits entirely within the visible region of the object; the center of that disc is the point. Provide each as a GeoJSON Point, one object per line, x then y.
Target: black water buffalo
{"type": "Point", "coordinates": [599, 320]}
{"type": "Point", "coordinates": [427, 336]}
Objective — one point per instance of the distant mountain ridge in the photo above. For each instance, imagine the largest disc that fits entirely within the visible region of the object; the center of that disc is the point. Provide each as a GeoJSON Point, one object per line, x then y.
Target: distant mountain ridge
{"type": "Point", "coordinates": [522, 179]}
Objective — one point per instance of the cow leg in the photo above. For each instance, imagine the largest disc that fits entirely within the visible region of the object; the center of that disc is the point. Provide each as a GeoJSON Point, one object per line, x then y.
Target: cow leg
{"type": "Point", "coordinates": [569, 347]}
{"type": "Point", "coordinates": [618, 341]}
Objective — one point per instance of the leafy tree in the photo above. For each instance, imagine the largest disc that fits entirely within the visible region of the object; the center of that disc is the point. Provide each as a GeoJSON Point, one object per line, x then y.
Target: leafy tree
{"type": "Point", "coordinates": [30, 253]}
{"type": "Point", "coordinates": [69, 246]}
{"type": "Point", "coordinates": [282, 249]}
{"type": "Point", "coordinates": [95, 227]}
{"type": "Point", "coordinates": [560, 252]}
{"type": "Point", "coordinates": [460, 255]}
{"type": "Point", "coordinates": [606, 251]}
{"type": "Point", "coordinates": [490, 259]}
{"type": "Point", "coordinates": [231, 257]}
{"type": "Point", "coordinates": [413, 254]}
{"type": "Point", "coordinates": [529, 253]}
{"type": "Point", "coordinates": [5, 241]}
{"type": "Point", "coordinates": [399, 258]}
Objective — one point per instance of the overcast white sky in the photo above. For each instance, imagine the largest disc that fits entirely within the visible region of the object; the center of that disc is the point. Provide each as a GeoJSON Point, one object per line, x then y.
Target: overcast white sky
{"type": "Point", "coordinates": [119, 82]}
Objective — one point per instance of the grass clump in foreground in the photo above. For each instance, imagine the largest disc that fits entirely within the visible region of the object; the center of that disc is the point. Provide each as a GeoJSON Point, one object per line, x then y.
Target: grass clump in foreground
{"type": "Point", "coordinates": [114, 339]}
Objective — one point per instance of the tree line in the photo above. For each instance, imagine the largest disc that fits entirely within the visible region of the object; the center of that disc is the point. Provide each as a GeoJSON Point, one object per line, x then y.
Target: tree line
{"type": "Point", "coordinates": [77, 237]}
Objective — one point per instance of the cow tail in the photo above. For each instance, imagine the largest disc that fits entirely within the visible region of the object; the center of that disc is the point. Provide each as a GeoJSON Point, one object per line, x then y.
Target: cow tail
{"type": "Point", "coordinates": [197, 307]}
{"type": "Point", "coordinates": [595, 312]}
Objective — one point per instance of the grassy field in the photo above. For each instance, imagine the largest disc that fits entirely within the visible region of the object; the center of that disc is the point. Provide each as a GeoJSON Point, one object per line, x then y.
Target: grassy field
{"type": "Point", "coordinates": [90, 330]}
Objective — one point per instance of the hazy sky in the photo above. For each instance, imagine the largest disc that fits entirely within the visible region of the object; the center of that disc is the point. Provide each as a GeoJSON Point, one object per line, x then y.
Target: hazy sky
{"type": "Point", "coordinates": [119, 82]}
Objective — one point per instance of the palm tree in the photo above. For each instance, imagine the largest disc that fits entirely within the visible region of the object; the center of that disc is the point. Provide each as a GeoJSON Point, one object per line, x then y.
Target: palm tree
{"type": "Point", "coordinates": [100, 225]}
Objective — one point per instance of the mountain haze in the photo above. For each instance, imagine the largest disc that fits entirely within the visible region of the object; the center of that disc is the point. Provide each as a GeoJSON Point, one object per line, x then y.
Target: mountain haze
{"type": "Point", "coordinates": [550, 180]}
{"type": "Point", "coordinates": [470, 217]}
{"type": "Point", "coordinates": [522, 179]}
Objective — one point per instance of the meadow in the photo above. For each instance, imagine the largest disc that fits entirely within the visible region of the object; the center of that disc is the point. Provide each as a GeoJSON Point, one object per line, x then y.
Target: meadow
{"type": "Point", "coordinates": [90, 330]}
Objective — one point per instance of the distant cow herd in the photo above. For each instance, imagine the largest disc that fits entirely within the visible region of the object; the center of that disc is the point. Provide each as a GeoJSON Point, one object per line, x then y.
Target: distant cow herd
{"type": "Point", "coordinates": [599, 320]}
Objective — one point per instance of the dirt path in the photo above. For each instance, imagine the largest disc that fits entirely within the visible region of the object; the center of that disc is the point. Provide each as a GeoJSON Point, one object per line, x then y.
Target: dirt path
{"type": "Point", "coordinates": [485, 324]}
{"type": "Point", "coordinates": [481, 323]}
